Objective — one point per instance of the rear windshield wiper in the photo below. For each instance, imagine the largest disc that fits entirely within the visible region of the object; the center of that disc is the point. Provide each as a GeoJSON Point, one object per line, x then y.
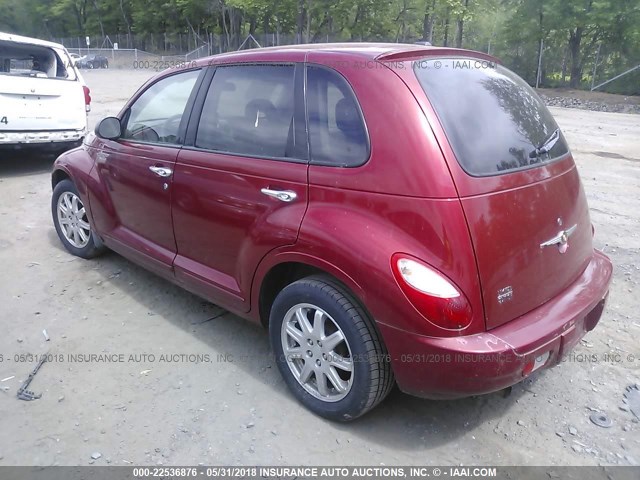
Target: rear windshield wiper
{"type": "Point", "coordinates": [546, 146]}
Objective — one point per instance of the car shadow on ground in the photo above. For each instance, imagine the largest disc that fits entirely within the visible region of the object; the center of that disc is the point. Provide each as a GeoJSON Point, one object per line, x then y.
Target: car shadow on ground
{"type": "Point", "coordinates": [20, 163]}
{"type": "Point", "coordinates": [404, 421]}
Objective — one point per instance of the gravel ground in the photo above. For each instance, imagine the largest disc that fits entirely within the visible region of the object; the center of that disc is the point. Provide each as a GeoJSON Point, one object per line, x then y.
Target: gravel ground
{"type": "Point", "coordinates": [593, 105]}
{"type": "Point", "coordinates": [586, 100]}
{"type": "Point", "coordinates": [165, 404]}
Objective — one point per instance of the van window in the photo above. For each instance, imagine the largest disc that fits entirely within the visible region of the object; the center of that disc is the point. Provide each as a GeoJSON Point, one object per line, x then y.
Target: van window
{"type": "Point", "coordinates": [249, 111]}
{"type": "Point", "coordinates": [337, 134]}
{"type": "Point", "coordinates": [493, 120]}
{"type": "Point", "coordinates": [26, 60]}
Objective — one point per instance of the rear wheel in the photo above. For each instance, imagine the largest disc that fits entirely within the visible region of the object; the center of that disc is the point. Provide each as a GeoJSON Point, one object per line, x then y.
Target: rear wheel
{"type": "Point", "coordinates": [72, 222]}
{"type": "Point", "coordinates": [328, 349]}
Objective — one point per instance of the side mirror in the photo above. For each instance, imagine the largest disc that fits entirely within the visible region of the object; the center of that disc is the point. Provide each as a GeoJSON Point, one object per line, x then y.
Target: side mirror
{"type": "Point", "coordinates": [109, 128]}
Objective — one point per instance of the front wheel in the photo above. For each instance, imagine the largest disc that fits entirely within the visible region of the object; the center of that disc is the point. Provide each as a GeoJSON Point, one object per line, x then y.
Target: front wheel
{"type": "Point", "coordinates": [328, 349]}
{"type": "Point", "coordinates": [71, 221]}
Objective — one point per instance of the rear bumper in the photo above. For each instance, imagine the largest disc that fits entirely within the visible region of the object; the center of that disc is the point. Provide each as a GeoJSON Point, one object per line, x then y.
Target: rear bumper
{"type": "Point", "coordinates": [486, 362]}
{"type": "Point", "coordinates": [41, 137]}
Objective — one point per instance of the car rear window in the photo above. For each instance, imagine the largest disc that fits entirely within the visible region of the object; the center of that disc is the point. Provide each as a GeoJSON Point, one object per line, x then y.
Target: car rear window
{"type": "Point", "coordinates": [37, 61]}
{"type": "Point", "coordinates": [493, 120]}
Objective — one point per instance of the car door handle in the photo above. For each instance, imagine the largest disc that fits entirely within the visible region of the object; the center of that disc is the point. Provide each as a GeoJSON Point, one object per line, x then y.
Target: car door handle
{"type": "Point", "coordinates": [161, 171]}
{"type": "Point", "coordinates": [282, 195]}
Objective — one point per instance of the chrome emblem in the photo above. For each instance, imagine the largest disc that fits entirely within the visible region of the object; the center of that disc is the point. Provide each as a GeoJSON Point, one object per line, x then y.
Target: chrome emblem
{"type": "Point", "coordinates": [561, 239]}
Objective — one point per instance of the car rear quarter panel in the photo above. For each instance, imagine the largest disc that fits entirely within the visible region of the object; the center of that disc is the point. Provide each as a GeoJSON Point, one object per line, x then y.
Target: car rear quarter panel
{"type": "Point", "coordinates": [360, 231]}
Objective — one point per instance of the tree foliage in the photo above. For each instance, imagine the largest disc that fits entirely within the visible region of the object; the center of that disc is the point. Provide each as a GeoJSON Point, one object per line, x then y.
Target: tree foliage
{"type": "Point", "coordinates": [572, 35]}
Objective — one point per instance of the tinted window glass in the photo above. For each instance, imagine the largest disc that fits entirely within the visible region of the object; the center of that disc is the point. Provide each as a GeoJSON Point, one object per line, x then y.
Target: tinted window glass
{"type": "Point", "coordinates": [249, 111]}
{"type": "Point", "coordinates": [337, 133]}
{"type": "Point", "coordinates": [494, 121]}
{"type": "Point", "coordinates": [155, 116]}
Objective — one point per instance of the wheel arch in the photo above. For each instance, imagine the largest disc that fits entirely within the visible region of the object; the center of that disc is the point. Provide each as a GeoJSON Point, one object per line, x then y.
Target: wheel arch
{"type": "Point", "coordinates": [283, 269]}
{"type": "Point", "coordinates": [59, 175]}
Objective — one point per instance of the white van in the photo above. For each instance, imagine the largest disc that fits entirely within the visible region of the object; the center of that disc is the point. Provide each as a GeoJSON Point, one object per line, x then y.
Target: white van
{"type": "Point", "coordinates": [43, 98]}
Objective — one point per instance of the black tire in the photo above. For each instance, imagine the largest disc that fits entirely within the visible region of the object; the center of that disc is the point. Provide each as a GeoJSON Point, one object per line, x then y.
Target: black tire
{"type": "Point", "coordinates": [94, 246]}
{"type": "Point", "coordinates": [372, 376]}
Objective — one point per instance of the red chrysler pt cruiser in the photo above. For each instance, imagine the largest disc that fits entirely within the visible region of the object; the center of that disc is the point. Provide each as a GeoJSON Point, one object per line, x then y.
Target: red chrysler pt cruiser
{"type": "Point", "coordinates": [393, 214]}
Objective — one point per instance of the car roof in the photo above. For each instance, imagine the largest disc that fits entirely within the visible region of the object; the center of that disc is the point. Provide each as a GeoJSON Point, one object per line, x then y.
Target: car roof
{"type": "Point", "coordinates": [10, 37]}
{"type": "Point", "coordinates": [362, 51]}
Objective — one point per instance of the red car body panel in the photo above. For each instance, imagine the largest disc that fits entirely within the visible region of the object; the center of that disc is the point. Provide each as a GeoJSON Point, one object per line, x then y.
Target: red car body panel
{"type": "Point", "coordinates": [486, 362]}
{"type": "Point", "coordinates": [212, 231]}
{"type": "Point", "coordinates": [130, 207]}
{"type": "Point", "coordinates": [509, 216]}
{"type": "Point", "coordinates": [510, 255]}
{"type": "Point", "coordinates": [218, 196]}
{"type": "Point", "coordinates": [381, 228]}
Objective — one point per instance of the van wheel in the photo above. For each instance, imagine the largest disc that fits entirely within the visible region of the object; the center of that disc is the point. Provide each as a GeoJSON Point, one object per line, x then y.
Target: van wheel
{"type": "Point", "coordinates": [72, 223]}
{"type": "Point", "coordinates": [328, 349]}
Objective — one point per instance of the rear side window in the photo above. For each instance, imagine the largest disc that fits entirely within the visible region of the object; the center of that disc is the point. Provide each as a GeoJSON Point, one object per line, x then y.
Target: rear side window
{"type": "Point", "coordinates": [493, 120]}
{"type": "Point", "coordinates": [249, 111]}
{"type": "Point", "coordinates": [337, 133]}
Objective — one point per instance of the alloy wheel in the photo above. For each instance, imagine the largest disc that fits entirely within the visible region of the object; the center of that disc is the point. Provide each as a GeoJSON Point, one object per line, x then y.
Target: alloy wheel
{"type": "Point", "coordinates": [73, 221]}
{"type": "Point", "coordinates": [317, 352]}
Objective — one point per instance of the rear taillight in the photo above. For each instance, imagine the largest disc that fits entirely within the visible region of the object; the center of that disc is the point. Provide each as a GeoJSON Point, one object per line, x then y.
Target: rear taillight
{"type": "Point", "coordinates": [431, 293]}
{"type": "Point", "coordinates": [87, 98]}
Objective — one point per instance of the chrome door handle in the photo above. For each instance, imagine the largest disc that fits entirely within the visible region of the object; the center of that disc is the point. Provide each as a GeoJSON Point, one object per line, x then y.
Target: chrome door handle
{"type": "Point", "coordinates": [282, 195]}
{"type": "Point", "coordinates": [161, 171]}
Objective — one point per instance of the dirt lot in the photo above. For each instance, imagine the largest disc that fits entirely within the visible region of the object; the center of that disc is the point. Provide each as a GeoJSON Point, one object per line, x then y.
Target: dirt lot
{"type": "Point", "coordinates": [147, 411]}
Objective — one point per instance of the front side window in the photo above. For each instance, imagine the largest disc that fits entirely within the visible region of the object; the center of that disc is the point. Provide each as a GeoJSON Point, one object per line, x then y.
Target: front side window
{"type": "Point", "coordinates": [156, 114]}
{"type": "Point", "coordinates": [337, 134]}
{"type": "Point", "coordinates": [249, 111]}
{"type": "Point", "coordinates": [493, 120]}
